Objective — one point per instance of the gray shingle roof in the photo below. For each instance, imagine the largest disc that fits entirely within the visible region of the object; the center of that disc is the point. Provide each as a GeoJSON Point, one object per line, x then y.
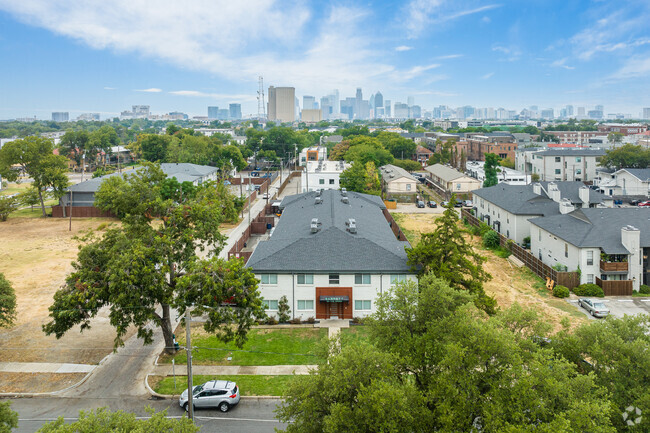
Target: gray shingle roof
{"type": "Point", "coordinates": [643, 174]}
{"type": "Point", "coordinates": [445, 173]}
{"type": "Point", "coordinates": [598, 227]}
{"type": "Point", "coordinates": [571, 152]}
{"type": "Point", "coordinates": [397, 171]}
{"type": "Point", "coordinates": [293, 248]}
{"type": "Point", "coordinates": [522, 200]}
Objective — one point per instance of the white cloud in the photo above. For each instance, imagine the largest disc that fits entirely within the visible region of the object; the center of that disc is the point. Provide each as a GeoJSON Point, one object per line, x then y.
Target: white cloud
{"type": "Point", "coordinates": [150, 90]}
{"type": "Point", "coordinates": [633, 68]}
{"type": "Point", "coordinates": [512, 53]}
{"type": "Point", "coordinates": [422, 13]}
{"type": "Point", "coordinates": [221, 96]}
{"type": "Point", "coordinates": [449, 56]}
{"type": "Point", "coordinates": [561, 63]}
{"type": "Point", "coordinates": [417, 71]}
{"type": "Point", "coordinates": [486, 20]}
{"type": "Point", "coordinates": [110, 88]}
{"type": "Point", "coordinates": [403, 48]}
{"type": "Point", "coordinates": [487, 76]}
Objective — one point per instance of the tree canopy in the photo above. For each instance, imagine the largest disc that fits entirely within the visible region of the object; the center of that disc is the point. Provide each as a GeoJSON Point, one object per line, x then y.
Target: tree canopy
{"type": "Point", "coordinates": [35, 157]}
{"type": "Point", "coordinates": [8, 418]}
{"type": "Point", "coordinates": [436, 363]}
{"type": "Point", "coordinates": [491, 164]}
{"type": "Point", "coordinates": [149, 264]}
{"type": "Point", "coordinates": [7, 302]}
{"type": "Point", "coordinates": [362, 178]}
{"type": "Point", "coordinates": [626, 156]}
{"type": "Point", "coordinates": [446, 254]}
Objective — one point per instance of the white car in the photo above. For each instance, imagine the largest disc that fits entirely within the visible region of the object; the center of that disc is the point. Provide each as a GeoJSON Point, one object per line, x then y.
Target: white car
{"type": "Point", "coordinates": [594, 307]}
{"type": "Point", "coordinates": [221, 394]}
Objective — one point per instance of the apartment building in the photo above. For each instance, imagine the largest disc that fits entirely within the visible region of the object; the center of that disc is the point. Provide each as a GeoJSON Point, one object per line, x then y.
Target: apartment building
{"type": "Point", "coordinates": [559, 164]}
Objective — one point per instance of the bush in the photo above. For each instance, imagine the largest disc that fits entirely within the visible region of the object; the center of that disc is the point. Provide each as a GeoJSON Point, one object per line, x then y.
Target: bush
{"type": "Point", "coordinates": [560, 267]}
{"type": "Point", "coordinates": [560, 292]}
{"type": "Point", "coordinates": [526, 243]}
{"type": "Point", "coordinates": [644, 289]}
{"type": "Point", "coordinates": [310, 320]}
{"type": "Point", "coordinates": [357, 320]}
{"type": "Point", "coordinates": [295, 321]}
{"type": "Point", "coordinates": [589, 290]}
{"type": "Point", "coordinates": [283, 310]}
{"type": "Point", "coordinates": [491, 239]}
{"type": "Point", "coordinates": [271, 321]}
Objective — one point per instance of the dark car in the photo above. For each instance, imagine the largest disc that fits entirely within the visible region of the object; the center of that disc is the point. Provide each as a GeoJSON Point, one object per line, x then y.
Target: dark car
{"type": "Point", "coordinates": [458, 204]}
{"type": "Point", "coordinates": [420, 203]}
{"type": "Point", "coordinates": [255, 174]}
{"type": "Point", "coordinates": [432, 203]}
{"type": "Point", "coordinates": [635, 202]}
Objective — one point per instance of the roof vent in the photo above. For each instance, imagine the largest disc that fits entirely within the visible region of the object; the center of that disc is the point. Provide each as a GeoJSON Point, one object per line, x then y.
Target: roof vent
{"type": "Point", "coordinates": [344, 192]}
{"type": "Point", "coordinates": [392, 175]}
{"type": "Point", "coordinates": [315, 225]}
{"type": "Point", "coordinates": [352, 225]}
{"type": "Point", "coordinates": [318, 200]}
{"type": "Point", "coordinates": [345, 200]}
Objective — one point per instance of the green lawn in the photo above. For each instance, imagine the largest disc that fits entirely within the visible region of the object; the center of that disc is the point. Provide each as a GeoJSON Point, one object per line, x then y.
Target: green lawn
{"type": "Point", "coordinates": [354, 334]}
{"type": "Point", "coordinates": [248, 384]}
{"type": "Point", "coordinates": [264, 347]}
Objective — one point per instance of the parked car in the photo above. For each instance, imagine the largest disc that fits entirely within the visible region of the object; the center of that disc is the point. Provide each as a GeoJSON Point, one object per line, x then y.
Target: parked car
{"type": "Point", "coordinates": [634, 202]}
{"type": "Point", "coordinates": [221, 394]}
{"type": "Point", "coordinates": [267, 175]}
{"type": "Point", "coordinates": [468, 203]}
{"type": "Point", "coordinates": [458, 204]}
{"type": "Point", "coordinates": [255, 174]}
{"type": "Point", "coordinates": [420, 203]}
{"type": "Point", "coordinates": [594, 307]}
{"type": "Point", "coordinates": [445, 204]}
{"type": "Point", "coordinates": [432, 203]}
{"type": "Point", "coordinates": [257, 187]}
{"type": "Point", "coordinates": [644, 203]}
{"type": "Point", "coordinates": [266, 195]}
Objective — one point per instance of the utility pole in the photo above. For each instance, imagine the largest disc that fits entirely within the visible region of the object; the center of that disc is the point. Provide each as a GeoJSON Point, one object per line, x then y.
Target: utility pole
{"type": "Point", "coordinates": [188, 349]}
{"type": "Point", "coordinates": [70, 207]}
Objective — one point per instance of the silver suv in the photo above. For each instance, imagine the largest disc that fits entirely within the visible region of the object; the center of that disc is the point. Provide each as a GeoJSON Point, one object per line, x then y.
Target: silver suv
{"type": "Point", "coordinates": [222, 394]}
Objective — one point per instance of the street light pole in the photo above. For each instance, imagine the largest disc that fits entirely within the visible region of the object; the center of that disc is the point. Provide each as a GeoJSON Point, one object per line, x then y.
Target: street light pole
{"type": "Point", "coordinates": [188, 349]}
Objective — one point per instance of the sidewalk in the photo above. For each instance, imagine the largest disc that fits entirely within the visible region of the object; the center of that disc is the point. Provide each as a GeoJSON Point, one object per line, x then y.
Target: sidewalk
{"type": "Point", "coordinates": [232, 370]}
{"type": "Point", "coordinates": [44, 367]}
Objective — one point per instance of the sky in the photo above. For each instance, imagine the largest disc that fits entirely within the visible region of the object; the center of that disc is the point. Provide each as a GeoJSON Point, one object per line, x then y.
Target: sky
{"type": "Point", "coordinates": [89, 56]}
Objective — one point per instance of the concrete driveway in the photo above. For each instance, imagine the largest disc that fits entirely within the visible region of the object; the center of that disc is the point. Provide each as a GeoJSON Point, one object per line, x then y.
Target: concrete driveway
{"type": "Point", "coordinates": [618, 305]}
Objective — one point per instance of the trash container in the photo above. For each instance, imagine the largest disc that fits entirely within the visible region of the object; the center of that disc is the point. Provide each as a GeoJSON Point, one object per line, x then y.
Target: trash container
{"type": "Point", "coordinates": [269, 226]}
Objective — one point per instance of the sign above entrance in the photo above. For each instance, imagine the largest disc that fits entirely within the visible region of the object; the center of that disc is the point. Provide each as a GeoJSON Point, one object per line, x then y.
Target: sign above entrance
{"type": "Point", "coordinates": [334, 298]}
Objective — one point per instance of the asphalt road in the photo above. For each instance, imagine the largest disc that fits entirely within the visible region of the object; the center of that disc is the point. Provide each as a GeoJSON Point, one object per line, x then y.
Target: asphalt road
{"type": "Point", "coordinates": [250, 415]}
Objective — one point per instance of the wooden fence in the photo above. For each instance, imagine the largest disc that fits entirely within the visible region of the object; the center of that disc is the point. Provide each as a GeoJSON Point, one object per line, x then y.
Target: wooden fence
{"type": "Point", "coordinates": [539, 268]}
{"type": "Point", "coordinates": [615, 288]}
{"type": "Point", "coordinates": [394, 226]}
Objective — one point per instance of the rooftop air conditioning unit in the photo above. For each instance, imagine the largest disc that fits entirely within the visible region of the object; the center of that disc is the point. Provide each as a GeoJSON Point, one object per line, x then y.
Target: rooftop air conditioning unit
{"type": "Point", "coordinates": [392, 175]}
{"type": "Point", "coordinates": [318, 200]}
{"type": "Point", "coordinates": [314, 225]}
{"type": "Point", "coordinates": [353, 226]}
{"type": "Point", "coordinates": [344, 192]}
{"type": "Point", "coordinates": [345, 200]}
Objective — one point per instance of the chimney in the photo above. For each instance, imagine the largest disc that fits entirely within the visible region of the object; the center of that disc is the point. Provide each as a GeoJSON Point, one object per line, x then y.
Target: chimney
{"type": "Point", "coordinates": [537, 188]}
{"type": "Point", "coordinates": [566, 206]}
{"type": "Point", "coordinates": [583, 193]}
{"type": "Point", "coordinates": [554, 192]}
{"type": "Point", "coordinates": [631, 240]}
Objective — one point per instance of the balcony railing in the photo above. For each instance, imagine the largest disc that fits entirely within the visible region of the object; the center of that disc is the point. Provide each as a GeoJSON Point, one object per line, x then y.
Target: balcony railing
{"type": "Point", "coordinates": [613, 266]}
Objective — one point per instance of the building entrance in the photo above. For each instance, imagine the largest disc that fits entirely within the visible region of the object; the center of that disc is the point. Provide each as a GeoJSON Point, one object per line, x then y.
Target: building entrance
{"type": "Point", "coordinates": [333, 303]}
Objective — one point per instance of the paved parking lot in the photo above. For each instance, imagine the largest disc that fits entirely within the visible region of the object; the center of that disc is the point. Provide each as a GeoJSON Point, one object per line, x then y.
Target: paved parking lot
{"type": "Point", "coordinates": [619, 305]}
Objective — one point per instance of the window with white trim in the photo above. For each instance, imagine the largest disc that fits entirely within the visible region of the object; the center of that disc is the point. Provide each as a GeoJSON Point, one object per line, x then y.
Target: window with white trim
{"type": "Point", "coordinates": [306, 304]}
{"type": "Point", "coordinates": [361, 278]}
{"type": "Point", "coordinates": [269, 278]}
{"type": "Point", "coordinates": [270, 304]}
{"type": "Point", "coordinates": [397, 278]}
{"type": "Point", "coordinates": [590, 258]}
{"type": "Point", "coordinates": [362, 305]}
{"type": "Point", "coordinates": [590, 278]}
{"type": "Point", "coordinates": [305, 278]}
{"type": "Point", "coordinates": [334, 279]}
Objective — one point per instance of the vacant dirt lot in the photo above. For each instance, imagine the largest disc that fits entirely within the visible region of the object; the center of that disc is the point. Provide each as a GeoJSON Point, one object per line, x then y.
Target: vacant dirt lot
{"type": "Point", "coordinates": [509, 284]}
{"type": "Point", "coordinates": [36, 255]}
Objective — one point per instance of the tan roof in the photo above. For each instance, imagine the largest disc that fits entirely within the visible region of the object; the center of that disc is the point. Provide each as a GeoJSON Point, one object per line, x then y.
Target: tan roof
{"type": "Point", "coordinates": [444, 172]}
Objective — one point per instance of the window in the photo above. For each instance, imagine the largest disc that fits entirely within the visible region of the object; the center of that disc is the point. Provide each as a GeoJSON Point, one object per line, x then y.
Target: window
{"type": "Point", "coordinates": [321, 181]}
{"type": "Point", "coordinates": [334, 278]}
{"type": "Point", "coordinates": [307, 304]}
{"type": "Point", "coordinates": [269, 278]}
{"type": "Point", "coordinates": [590, 258]}
{"type": "Point", "coordinates": [557, 159]}
{"type": "Point", "coordinates": [458, 186]}
{"type": "Point", "coordinates": [361, 278]}
{"type": "Point", "coordinates": [578, 159]}
{"type": "Point", "coordinates": [590, 278]}
{"type": "Point", "coordinates": [331, 181]}
{"type": "Point", "coordinates": [305, 278]}
{"type": "Point", "coordinates": [566, 250]}
{"type": "Point", "coordinates": [362, 305]}
{"type": "Point", "coordinates": [397, 278]}
{"type": "Point", "coordinates": [539, 254]}
{"type": "Point", "coordinates": [270, 304]}
{"type": "Point", "coordinates": [408, 186]}
{"type": "Point", "coordinates": [539, 235]}
{"type": "Point", "coordinates": [578, 171]}
{"type": "Point", "coordinates": [558, 171]}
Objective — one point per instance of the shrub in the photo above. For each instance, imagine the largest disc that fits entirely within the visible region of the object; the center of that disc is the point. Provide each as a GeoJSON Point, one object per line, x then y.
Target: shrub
{"type": "Point", "coordinates": [644, 289]}
{"type": "Point", "coordinates": [526, 243]}
{"type": "Point", "coordinates": [502, 252]}
{"type": "Point", "coordinates": [271, 321]}
{"type": "Point", "coordinates": [560, 267]}
{"type": "Point", "coordinates": [357, 320]}
{"type": "Point", "coordinates": [560, 292]}
{"type": "Point", "coordinates": [295, 321]}
{"type": "Point", "coordinates": [310, 320]}
{"type": "Point", "coordinates": [491, 239]}
{"type": "Point", "coordinates": [589, 290]}
{"type": "Point", "coordinates": [283, 310]}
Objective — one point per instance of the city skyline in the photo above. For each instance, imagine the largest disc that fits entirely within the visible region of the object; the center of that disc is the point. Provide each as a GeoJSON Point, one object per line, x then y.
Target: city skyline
{"type": "Point", "coordinates": [105, 58]}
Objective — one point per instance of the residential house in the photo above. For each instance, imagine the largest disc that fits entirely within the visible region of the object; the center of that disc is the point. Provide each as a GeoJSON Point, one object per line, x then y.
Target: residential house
{"type": "Point", "coordinates": [506, 175]}
{"type": "Point", "coordinates": [331, 254]}
{"type": "Point", "coordinates": [628, 182]}
{"type": "Point", "coordinates": [560, 164]}
{"type": "Point", "coordinates": [397, 182]}
{"type": "Point", "coordinates": [508, 208]}
{"type": "Point", "coordinates": [449, 181]}
{"type": "Point", "coordinates": [501, 144]}
{"type": "Point", "coordinates": [322, 174]}
{"type": "Point", "coordinates": [609, 247]}
{"type": "Point", "coordinates": [313, 153]}
{"type": "Point", "coordinates": [578, 137]}
{"type": "Point", "coordinates": [422, 154]}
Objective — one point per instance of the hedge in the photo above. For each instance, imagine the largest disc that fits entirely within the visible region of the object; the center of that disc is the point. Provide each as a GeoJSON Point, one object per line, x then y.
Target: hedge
{"type": "Point", "coordinates": [560, 291]}
{"type": "Point", "coordinates": [589, 290]}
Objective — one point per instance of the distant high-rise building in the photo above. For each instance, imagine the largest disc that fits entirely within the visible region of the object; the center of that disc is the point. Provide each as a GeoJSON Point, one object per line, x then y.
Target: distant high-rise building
{"type": "Point", "coordinates": [335, 102]}
{"type": "Point", "coordinates": [379, 101]}
{"type": "Point", "coordinates": [364, 110]}
{"type": "Point", "coordinates": [308, 102]}
{"type": "Point", "coordinates": [235, 111]}
{"type": "Point", "coordinates": [581, 112]}
{"type": "Point", "coordinates": [60, 116]}
{"type": "Point", "coordinates": [387, 108]}
{"type": "Point", "coordinates": [213, 113]}
{"type": "Point", "coordinates": [223, 114]}
{"type": "Point", "coordinates": [326, 107]}
{"type": "Point", "coordinates": [410, 101]}
{"type": "Point", "coordinates": [401, 111]}
{"type": "Point", "coordinates": [89, 117]}
{"type": "Point", "coordinates": [599, 108]}
{"type": "Point", "coordinates": [282, 103]}
{"type": "Point", "coordinates": [357, 103]}
{"type": "Point", "coordinates": [415, 112]}
{"type": "Point", "coordinates": [348, 107]}
{"type": "Point", "coordinates": [140, 110]}
{"type": "Point", "coordinates": [569, 110]}
{"type": "Point", "coordinates": [597, 113]}
{"type": "Point", "coordinates": [548, 114]}
{"type": "Point", "coordinates": [646, 113]}
{"type": "Point", "coordinates": [371, 101]}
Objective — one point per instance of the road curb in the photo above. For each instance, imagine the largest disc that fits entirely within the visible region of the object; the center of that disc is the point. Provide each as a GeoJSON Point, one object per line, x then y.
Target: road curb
{"type": "Point", "coordinates": [172, 396]}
